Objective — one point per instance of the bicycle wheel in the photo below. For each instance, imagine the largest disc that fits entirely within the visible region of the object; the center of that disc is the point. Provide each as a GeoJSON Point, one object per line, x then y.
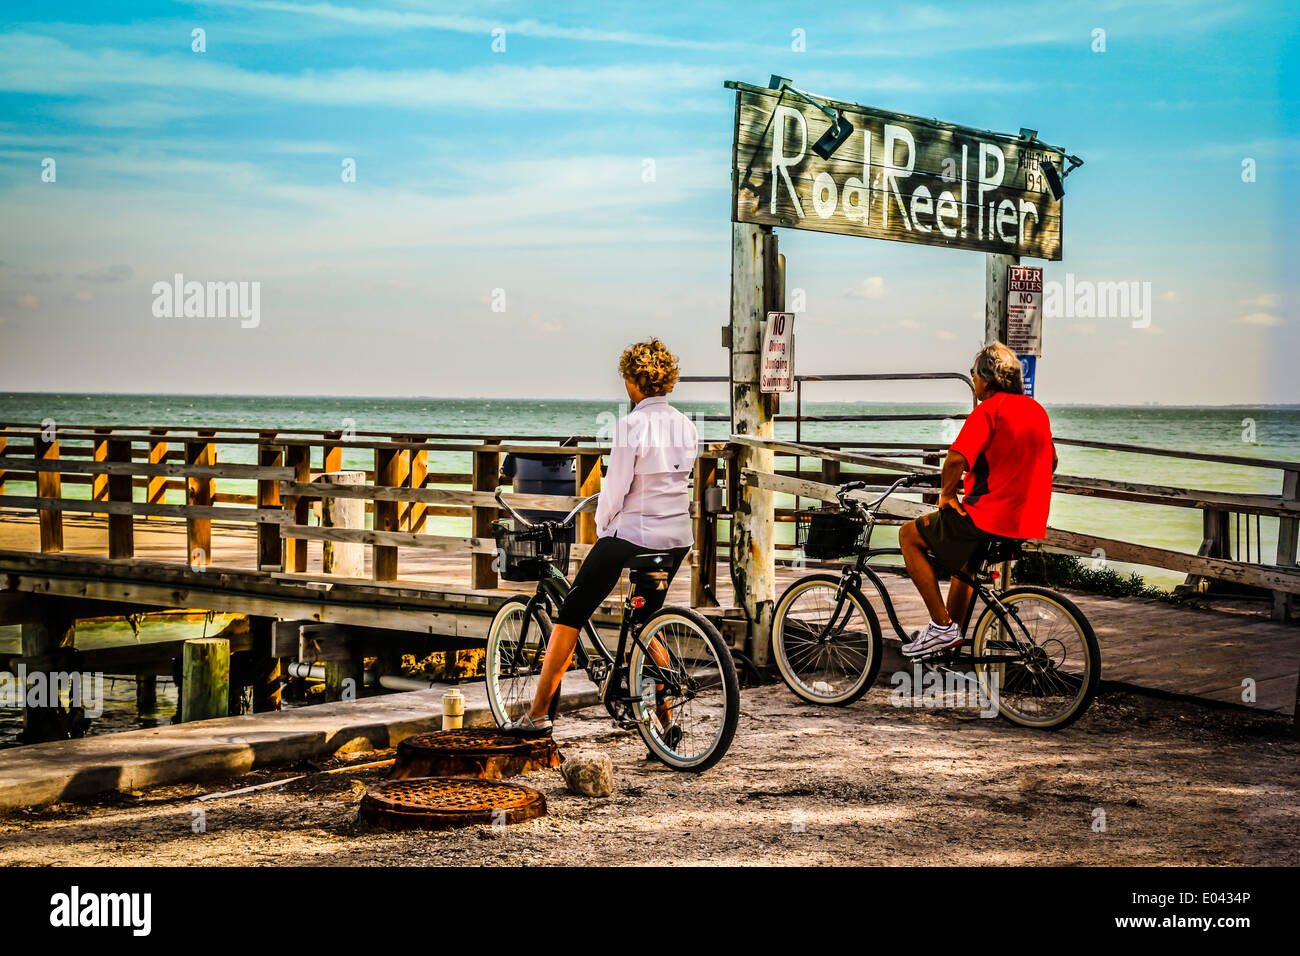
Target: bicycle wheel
{"type": "Point", "coordinates": [1053, 660]}
{"type": "Point", "coordinates": [690, 697]}
{"type": "Point", "coordinates": [827, 649]}
{"type": "Point", "coordinates": [516, 648]}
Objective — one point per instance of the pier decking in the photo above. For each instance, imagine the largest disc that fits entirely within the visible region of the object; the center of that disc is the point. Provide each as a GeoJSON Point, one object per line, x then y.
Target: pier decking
{"type": "Point", "coordinates": [1145, 643]}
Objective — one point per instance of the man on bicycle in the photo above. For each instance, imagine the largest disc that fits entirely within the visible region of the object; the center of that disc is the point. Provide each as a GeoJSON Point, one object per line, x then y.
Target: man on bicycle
{"type": "Point", "coordinates": [1006, 453]}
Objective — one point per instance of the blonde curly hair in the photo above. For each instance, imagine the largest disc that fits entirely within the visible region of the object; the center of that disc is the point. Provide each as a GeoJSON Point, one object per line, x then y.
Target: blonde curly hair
{"type": "Point", "coordinates": [650, 366]}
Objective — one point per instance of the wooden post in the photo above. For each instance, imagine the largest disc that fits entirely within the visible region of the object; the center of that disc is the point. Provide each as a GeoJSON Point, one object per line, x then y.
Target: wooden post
{"type": "Point", "coordinates": [3, 442]}
{"type": "Point", "coordinates": [995, 296]}
{"type": "Point", "coordinates": [390, 470]}
{"type": "Point", "coordinates": [270, 546]}
{"type": "Point", "coordinates": [1288, 536]}
{"type": "Point", "coordinates": [297, 457]}
{"type": "Point", "coordinates": [47, 645]}
{"type": "Point", "coordinates": [205, 684]}
{"type": "Point", "coordinates": [265, 672]}
{"type": "Point", "coordinates": [487, 470]}
{"type": "Point", "coordinates": [332, 453]}
{"type": "Point", "coordinates": [49, 484]}
{"type": "Point", "coordinates": [344, 678]}
{"type": "Point", "coordinates": [146, 694]}
{"type": "Point", "coordinates": [200, 491]}
{"type": "Point", "coordinates": [347, 559]}
{"type": "Point", "coordinates": [704, 569]}
{"type": "Point", "coordinates": [753, 264]}
{"type": "Point", "coordinates": [121, 528]}
{"type": "Point", "coordinates": [156, 485]}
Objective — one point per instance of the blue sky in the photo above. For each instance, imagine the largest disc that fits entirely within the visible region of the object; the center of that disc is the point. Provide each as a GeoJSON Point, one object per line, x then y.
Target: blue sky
{"type": "Point", "coordinates": [522, 170]}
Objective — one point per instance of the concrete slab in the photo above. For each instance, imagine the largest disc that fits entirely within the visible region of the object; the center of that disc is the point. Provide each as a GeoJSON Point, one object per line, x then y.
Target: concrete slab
{"type": "Point", "coordinates": [40, 774]}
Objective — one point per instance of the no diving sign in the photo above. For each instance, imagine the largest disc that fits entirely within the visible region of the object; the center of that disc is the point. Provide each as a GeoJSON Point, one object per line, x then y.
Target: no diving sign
{"type": "Point", "coordinates": [777, 371]}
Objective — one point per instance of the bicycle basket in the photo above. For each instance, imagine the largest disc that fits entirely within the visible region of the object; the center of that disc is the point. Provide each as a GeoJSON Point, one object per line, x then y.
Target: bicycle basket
{"type": "Point", "coordinates": [828, 533]}
{"type": "Point", "coordinates": [523, 553]}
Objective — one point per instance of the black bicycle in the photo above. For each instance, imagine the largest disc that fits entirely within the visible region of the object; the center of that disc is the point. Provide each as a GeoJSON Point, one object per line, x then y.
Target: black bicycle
{"type": "Point", "coordinates": [1032, 650]}
{"type": "Point", "coordinates": [671, 676]}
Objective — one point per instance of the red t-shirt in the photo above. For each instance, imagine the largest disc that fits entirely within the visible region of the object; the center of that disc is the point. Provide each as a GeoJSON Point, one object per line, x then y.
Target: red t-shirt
{"type": "Point", "coordinates": [1007, 444]}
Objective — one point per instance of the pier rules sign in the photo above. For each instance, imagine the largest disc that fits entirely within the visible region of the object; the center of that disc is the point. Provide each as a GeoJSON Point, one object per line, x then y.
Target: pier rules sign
{"type": "Point", "coordinates": [777, 371]}
{"type": "Point", "coordinates": [1025, 309]}
{"type": "Point", "coordinates": [896, 177]}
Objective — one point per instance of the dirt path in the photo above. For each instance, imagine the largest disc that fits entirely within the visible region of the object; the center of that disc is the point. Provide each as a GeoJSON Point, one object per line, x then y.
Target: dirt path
{"type": "Point", "coordinates": [801, 785]}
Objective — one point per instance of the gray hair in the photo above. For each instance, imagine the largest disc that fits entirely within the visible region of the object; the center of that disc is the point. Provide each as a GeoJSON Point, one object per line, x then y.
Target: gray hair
{"type": "Point", "coordinates": [998, 366]}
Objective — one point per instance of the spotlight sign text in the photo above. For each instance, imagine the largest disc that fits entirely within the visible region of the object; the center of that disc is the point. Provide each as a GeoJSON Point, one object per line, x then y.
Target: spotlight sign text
{"type": "Point", "coordinates": [897, 177]}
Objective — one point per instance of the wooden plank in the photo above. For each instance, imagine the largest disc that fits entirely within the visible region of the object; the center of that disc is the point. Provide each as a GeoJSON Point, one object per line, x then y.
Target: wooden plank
{"type": "Point", "coordinates": [896, 177]}
{"type": "Point", "coordinates": [198, 493]}
{"type": "Point", "coordinates": [487, 472]}
{"type": "Point", "coordinates": [156, 488]}
{"type": "Point", "coordinates": [48, 487]}
{"type": "Point", "coordinates": [389, 470]}
{"type": "Point", "coordinates": [415, 513]}
{"type": "Point", "coordinates": [101, 467]}
{"type": "Point", "coordinates": [587, 481]}
{"type": "Point", "coordinates": [270, 545]}
{"type": "Point", "coordinates": [121, 527]}
{"type": "Point", "coordinates": [99, 481]}
{"type": "Point", "coordinates": [704, 567]}
{"type": "Point", "coordinates": [1288, 538]}
{"type": "Point", "coordinates": [298, 458]}
{"type": "Point", "coordinates": [391, 540]}
{"type": "Point", "coordinates": [449, 496]}
{"type": "Point", "coordinates": [1261, 576]}
{"type": "Point", "coordinates": [189, 512]}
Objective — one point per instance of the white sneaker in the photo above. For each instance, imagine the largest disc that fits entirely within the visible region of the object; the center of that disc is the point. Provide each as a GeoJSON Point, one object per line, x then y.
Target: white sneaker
{"type": "Point", "coordinates": [932, 638]}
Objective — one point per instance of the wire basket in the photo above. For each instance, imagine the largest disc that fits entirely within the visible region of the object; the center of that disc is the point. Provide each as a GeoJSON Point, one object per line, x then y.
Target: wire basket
{"type": "Point", "coordinates": [524, 552]}
{"type": "Point", "coordinates": [829, 533]}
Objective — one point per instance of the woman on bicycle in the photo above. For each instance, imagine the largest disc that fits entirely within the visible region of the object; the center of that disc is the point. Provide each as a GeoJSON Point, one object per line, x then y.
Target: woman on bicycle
{"type": "Point", "coordinates": [644, 508]}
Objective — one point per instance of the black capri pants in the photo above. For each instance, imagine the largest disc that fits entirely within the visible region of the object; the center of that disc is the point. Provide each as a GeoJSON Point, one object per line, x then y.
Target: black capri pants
{"type": "Point", "coordinates": [599, 575]}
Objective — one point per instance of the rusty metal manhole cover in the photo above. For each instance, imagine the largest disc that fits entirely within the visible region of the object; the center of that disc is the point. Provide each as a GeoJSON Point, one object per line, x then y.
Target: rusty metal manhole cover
{"type": "Point", "coordinates": [481, 752]}
{"type": "Point", "coordinates": [439, 803]}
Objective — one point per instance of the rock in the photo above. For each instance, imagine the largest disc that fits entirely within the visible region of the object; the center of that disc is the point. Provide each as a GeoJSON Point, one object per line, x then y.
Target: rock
{"type": "Point", "coordinates": [590, 773]}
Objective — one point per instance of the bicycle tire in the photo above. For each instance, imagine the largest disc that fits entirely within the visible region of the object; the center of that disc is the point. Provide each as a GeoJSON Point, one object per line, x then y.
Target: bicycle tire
{"type": "Point", "coordinates": [1091, 655]}
{"type": "Point", "coordinates": [504, 703]}
{"type": "Point", "coordinates": [729, 688]}
{"type": "Point", "coordinates": [782, 650]}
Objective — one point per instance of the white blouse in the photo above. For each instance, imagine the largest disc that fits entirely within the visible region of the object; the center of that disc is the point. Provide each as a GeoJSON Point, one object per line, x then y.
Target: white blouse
{"type": "Point", "coordinates": [644, 497]}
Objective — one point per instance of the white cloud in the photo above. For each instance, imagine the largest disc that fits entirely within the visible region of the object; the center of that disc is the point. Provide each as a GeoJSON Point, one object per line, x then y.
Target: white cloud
{"type": "Point", "coordinates": [1265, 319]}
{"type": "Point", "coordinates": [1267, 300]}
{"type": "Point", "coordinates": [871, 288]}
{"type": "Point", "coordinates": [26, 300]}
{"type": "Point", "coordinates": [944, 335]}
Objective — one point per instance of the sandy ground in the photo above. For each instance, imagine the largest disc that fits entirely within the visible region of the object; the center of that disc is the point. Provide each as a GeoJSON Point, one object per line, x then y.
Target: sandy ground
{"type": "Point", "coordinates": [870, 784]}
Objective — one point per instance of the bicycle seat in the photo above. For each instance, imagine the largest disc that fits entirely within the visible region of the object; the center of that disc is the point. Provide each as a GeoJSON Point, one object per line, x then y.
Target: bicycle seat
{"type": "Point", "coordinates": [998, 550]}
{"type": "Point", "coordinates": [654, 561]}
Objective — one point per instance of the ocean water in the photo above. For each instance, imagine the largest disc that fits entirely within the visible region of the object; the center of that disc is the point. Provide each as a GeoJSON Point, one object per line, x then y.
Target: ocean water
{"type": "Point", "coordinates": [1258, 432]}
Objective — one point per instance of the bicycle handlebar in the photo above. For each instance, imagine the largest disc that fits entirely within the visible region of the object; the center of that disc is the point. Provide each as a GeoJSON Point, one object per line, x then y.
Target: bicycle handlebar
{"type": "Point", "coordinates": [906, 481]}
{"type": "Point", "coordinates": [564, 523]}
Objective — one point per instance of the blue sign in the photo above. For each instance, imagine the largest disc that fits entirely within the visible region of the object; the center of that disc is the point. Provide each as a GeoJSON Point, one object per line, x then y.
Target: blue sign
{"type": "Point", "coordinates": [1028, 368]}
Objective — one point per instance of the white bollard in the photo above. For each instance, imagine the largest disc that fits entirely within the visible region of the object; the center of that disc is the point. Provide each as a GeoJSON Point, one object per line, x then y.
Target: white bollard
{"type": "Point", "coordinates": [453, 709]}
{"type": "Point", "coordinates": [346, 559]}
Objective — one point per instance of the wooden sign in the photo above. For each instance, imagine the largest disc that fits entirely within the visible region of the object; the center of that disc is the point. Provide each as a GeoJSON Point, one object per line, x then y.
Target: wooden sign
{"type": "Point", "coordinates": [896, 177]}
{"type": "Point", "coordinates": [777, 371]}
{"type": "Point", "coordinates": [1025, 309]}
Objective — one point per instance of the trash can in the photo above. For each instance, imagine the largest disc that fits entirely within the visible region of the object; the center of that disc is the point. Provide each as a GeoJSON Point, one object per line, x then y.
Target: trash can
{"type": "Point", "coordinates": [541, 475]}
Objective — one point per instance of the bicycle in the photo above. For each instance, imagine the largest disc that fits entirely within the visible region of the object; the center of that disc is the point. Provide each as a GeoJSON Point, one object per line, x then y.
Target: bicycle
{"type": "Point", "coordinates": [1032, 650]}
{"type": "Point", "coordinates": [687, 698]}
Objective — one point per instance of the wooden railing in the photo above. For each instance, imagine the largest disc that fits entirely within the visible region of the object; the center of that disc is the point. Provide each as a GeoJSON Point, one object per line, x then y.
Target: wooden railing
{"type": "Point", "coordinates": [1282, 578]}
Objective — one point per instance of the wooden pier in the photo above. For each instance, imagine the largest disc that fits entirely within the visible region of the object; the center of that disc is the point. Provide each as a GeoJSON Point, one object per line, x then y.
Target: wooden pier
{"type": "Point", "coordinates": [125, 520]}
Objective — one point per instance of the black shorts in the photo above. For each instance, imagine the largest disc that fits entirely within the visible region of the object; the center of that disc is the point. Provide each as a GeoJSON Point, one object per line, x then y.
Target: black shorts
{"type": "Point", "coordinates": [599, 575]}
{"type": "Point", "coordinates": [952, 537]}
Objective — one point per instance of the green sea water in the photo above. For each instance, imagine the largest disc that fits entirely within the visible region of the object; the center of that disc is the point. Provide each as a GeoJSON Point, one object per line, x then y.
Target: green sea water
{"type": "Point", "coordinates": [1258, 432]}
